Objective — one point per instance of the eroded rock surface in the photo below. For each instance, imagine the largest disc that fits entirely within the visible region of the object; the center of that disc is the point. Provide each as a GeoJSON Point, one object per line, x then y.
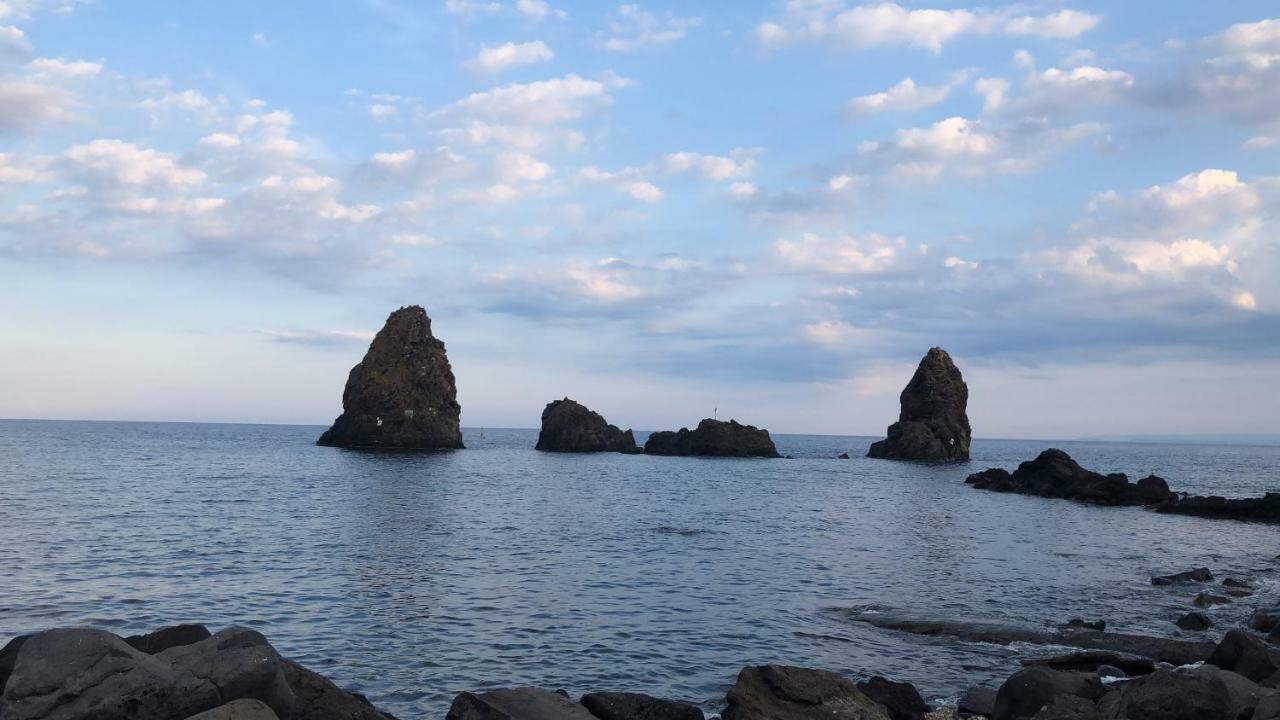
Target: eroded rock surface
{"type": "Point", "coordinates": [402, 395]}
{"type": "Point", "coordinates": [570, 427]}
{"type": "Point", "coordinates": [933, 424]}
{"type": "Point", "coordinates": [714, 438]}
{"type": "Point", "coordinates": [1054, 474]}
{"type": "Point", "coordinates": [780, 692]}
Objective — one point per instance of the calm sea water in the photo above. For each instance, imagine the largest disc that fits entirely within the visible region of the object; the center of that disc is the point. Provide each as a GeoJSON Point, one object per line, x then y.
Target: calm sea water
{"type": "Point", "coordinates": [413, 576]}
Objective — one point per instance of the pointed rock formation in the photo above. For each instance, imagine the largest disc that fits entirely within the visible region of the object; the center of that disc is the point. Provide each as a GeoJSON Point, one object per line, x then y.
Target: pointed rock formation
{"type": "Point", "coordinates": [715, 438]}
{"type": "Point", "coordinates": [402, 394]}
{"type": "Point", "coordinates": [571, 427]}
{"type": "Point", "coordinates": [933, 424]}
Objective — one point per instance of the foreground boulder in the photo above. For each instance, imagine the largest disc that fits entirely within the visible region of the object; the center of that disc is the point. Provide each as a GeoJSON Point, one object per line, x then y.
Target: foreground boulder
{"type": "Point", "coordinates": [637, 706]}
{"type": "Point", "coordinates": [780, 692]}
{"type": "Point", "coordinates": [238, 710]}
{"type": "Point", "coordinates": [516, 704]}
{"type": "Point", "coordinates": [402, 394]}
{"type": "Point", "coordinates": [571, 427]}
{"type": "Point", "coordinates": [1245, 655]}
{"type": "Point", "coordinates": [1054, 474]}
{"type": "Point", "coordinates": [80, 674]}
{"type": "Point", "coordinates": [713, 438]}
{"type": "Point", "coordinates": [1028, 690]}
{"type": "Point", "coordinates": [933, 424]}
{"type": "Point", "coordinates": [901, 699]}
{"type": "Point", "coordinates": [1172, 695]}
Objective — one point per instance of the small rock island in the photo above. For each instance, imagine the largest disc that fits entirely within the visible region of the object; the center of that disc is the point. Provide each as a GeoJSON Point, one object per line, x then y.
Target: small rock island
{"type": "Point", "coordinates": [571, 427]}
{"type": "Point", "coordinates": [933, 424]}
{"type": "Point", "coordinates": [713, 438]}
{"type": "Point", "coordinates": [402, 394]}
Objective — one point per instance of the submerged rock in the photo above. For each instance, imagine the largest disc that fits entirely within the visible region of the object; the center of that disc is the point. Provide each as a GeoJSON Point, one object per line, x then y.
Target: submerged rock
{"type": "Point", "coordinates": [570, 427]}
{"type": "Point", "coordinates": [714, 438]}
{"type": "Point", "coordinates": [402, 394]}
{"type": "Point", "coordinates": [1054, 474]}
{"type": "Point", "coordinates": [933, 424]}
{"type": "Point", "coordinates": [1194, 622]}
{"type": "Point", "coordinates": [780, 692]}
{"type": "Point", "coordinates": [1199, 575]}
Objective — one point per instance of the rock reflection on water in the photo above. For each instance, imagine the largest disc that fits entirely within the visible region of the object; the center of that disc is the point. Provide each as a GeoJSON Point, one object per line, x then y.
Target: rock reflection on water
{"type": "Point", "coordinates": [410, 576]}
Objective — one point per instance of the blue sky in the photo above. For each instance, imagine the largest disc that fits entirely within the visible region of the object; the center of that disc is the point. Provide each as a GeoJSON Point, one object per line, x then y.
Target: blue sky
{"type": "Point", "coordinates": [773, 208]}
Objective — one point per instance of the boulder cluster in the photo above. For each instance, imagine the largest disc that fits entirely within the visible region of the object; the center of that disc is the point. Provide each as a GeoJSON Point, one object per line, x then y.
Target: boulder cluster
{"type": "Point", "coordinates": [1054, 474]}
{"type": "Point", "coordinates": [933, 424]}
{"type": "Point", "coordinates": [713, 438]}
{"type": "Point", "coordinates": [402, 395]}
{"type": "Point", "coordinates": [173, 674]}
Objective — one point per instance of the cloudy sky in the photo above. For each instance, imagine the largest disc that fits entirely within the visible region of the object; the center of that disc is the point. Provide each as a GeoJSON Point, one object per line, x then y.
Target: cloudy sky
{"type": "Point", "coordinates": [773, 208]}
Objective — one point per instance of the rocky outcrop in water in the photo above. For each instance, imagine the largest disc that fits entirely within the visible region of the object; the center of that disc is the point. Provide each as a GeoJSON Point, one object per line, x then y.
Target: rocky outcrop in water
{"type": "Point", "coordinates": [402, 394]}
{"type": "Point", "coordinates": [570, 427]}
{"type": "Point", "coordinates": [933, 424]}
{"type": "Point", "coordinates": [81, 674]}
{"type": "Point", "coordinates": [1054, 474]}
{"type": "Point", "coordinates": [714, 438]}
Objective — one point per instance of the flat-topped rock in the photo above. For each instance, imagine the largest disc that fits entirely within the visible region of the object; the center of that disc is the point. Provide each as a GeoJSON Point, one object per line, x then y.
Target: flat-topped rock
{"type": "Point", "coordinates": [714, 438]}
{"type": "Point", "coordinates": [1054, 474]}
{"type": "Point", "coordinates": [570, 427]}
{"type": "Point", "coordinates": [402, 395]}
{"type": "Point", "coordinates": [933, 424]}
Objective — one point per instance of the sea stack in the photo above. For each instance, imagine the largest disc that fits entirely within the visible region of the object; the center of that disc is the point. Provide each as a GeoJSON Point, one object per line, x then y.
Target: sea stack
{"type": "Point", "coordinates": [713, 438]}
{"type": "Point", "coordinates": [932, 425]}
{"type": "Point", "coordinates": [570, 427]}
{"type": "Point", "coordinates": [402, 394]}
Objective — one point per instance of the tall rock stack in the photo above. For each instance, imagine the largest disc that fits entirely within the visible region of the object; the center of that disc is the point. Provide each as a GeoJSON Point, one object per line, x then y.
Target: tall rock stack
{"type": "Point", "coordinates": [933, 424]}
{"type": "Point", "coordinates": [402, 394]}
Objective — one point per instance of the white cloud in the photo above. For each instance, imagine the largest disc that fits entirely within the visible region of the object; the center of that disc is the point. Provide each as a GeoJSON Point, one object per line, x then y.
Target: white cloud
{"type": "Point", "coordinates": [539, 10]}
{"type": "Point", "coordinates": [471, 8]}
{"type": "Point", "coordinates": [382, 113]}
{"type": "Point", "coordinates": [632, 28]}
{"type": "Point", "coordinates": [906, 95]}
{"type": "Point", "coordinates": [121, 162]}
{"type": "Point", "coordinates": [27, 105]}
{"type": "Point", "coordinates": [496, 58]}
{"type": "Point", "coordinates": [645, 191]}
{"type": "Point", "coordinates": [889, 23]}
{"type": "Point", "coordinates": [13, 42]}
{"type": "Point", "coordinates": [189, 101]}
{"type": "Point", "coordinates": [993, 91]}
{"type": "Point", "coordinates": [518, 167]}
{"type": "Point", "coordinates": [220, 141]}
{"type": "Point", "coordinates": [738, 164]}
{"type": "Point", "coordinates": [64, 69]}
{"type": "Point", "coordinates": [538, 103]}
{"type": "Point", "coordinates": [840, 255]}
{"type": "Point", "coordinates": [15, 170]}
{"type": "Point", "coordinates": [261, 40]}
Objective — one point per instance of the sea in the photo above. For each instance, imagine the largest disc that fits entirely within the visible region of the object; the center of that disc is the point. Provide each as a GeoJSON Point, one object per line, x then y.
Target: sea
{"type": "Point", "coordinates": [413, 576]}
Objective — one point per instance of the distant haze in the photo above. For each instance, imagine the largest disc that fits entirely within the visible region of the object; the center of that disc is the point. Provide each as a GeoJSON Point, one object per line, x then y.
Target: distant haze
{"type": "Point", "coordinates": [768, 210]}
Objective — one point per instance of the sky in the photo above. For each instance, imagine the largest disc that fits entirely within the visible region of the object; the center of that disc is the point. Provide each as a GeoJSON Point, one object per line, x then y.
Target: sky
{"type": "Point", "coordinates": [763, 210]}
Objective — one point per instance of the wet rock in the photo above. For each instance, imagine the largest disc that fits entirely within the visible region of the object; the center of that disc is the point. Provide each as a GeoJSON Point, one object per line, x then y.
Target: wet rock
{"type": "Point", "coordinates": [523, 703]}
{"type": "Point", "coordinates": [1197, 575]}
{"type": "Point", "coordinates": [1244, 694]}
{"type": "Point", "coordinates": [779, 692]}
{"type": "Point", "coordinates": [1268, 708]}
{"type": "Point", "coordinates": [1091, 660]}
{"type": "Point", "coordinates": [1194, 621]}
{"type": "Point", "coordinates": [1174, 695]}
{"type": "Point", "coordinates": [978, 701]}
{"type": "Point", "coordinates": [1244, 655]}
{"type": "Point", "coordinates": [1236, 583]}
{"type": "Point", "coordinates": [402, 394]}
{"type": "Point", "coordinates": [1111, 671]}
{"type": "Point", "coordinates": [570, 427]}
{"type": "Point", "coordinates": [1069, 707]}
{"type": "Point", "coordinates": [636, 706]}
{"type": "Point", "coordinates": [78, 674]}
{"type": "Point", "coordinates": [316, 698]}
{"type": "Point", "coordinates": [169, 637]}
{"type": "Point", "coordinates": [713, 438]}
{"type": "Point", "coordinates": [933, 424]}
{"type": "Point", "coordinates": [842, 456]}
{"type": "Point", "coordinates": [1208, 599]}
{"type": "Point", "coordinates": [1262, 619]}
{"type": "Point", "coordinates": [1054, 474]}
{"type": "Point", "coordinates": [901, 699]}
{"type": "Point", "coordinates": [1032, 688]}
{"type": "Point", "coordinates": [1087, 624]}
{"type": "Point", "coordinates": [1273, 637]}
{"type": "Point", "coordinates": [1263, 509]}
{"type": "Point", "coordinates": [8, 655]}
{"type": "Point", "coordinates": [238, 710]}
{"type": "Point", "coordinates": [238, 663]}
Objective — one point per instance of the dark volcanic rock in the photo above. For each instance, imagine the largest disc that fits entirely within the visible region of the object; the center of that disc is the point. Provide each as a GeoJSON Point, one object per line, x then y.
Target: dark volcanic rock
{"type": "Point", "coordinates": [1197, 575]}
{"type": "Point", "coordinates": [1092, 660]}
{"type": "Point", "coordinates": [977, 700]}
{"type": "Point", "coordinates": [779, 692]}
{"type": "Point", "coordinates": [901, 699]}
{"type": "Point", "coordinates": [932, 424]}
{"type": "Point", "coordinates": [8, 656]}
{"type": "Point", "coordinates": [1175, 695]}
{"type": "Point", "coordinates": [1243, 654]}
{"type": "Point", "coordinates": [523, 703]}
{"type": "Point", "coordinates": [1053, 474]}
{"type": "Point", "coordinates": [715, 438]}
{"type": "Point", "coordinates": [571, 427]}
{"type": "Point", "coordinates": [1087, 624]}
{"type": "Point", "coordinates": [1030, 689]}
{"type": "Point", "coordinates": [238, 710]}
{"type": "Point", "coordinates": [1194, 621]}
{"type": "Point", "coordinates": [165, 638]}
{"type": "Point", "coordinates": [637, 706]}
{"type": "Point", "coordinates": [1263, 509]}
{"type": "Point", "coordinates": [1262, 619]}
{"type": "Point", "coordinates": [402, 394]}
{"type": "Point", "coordinates": [1069, 707]}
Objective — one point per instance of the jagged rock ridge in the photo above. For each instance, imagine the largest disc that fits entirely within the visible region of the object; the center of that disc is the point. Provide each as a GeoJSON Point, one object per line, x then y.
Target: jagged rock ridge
{"type": "Point", "coordinates": [933, 424]}
{"type": "Point", "coordinates": [402, 394]}
{"type": "Point", "coordinates": [715, 438]}
{"type": "Point", "coordinates": [570, 427]}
